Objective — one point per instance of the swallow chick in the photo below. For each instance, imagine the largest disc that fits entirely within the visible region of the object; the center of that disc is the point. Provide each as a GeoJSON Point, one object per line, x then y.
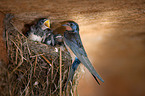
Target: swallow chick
{"type": "Point", "coordinates": [54, 40]}
{"type": "Point", "coordinates": [39, 31]}
{"type": "Point", "coordinates": [58, 39]}
{"type": "Point", "coordinates": [49, 40]}
{"type": "Point", "coordinates": [72, 41]}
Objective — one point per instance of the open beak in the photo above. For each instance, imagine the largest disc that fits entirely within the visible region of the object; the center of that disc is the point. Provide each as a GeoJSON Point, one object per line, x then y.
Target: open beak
{"type": "Point", "coordinates": [47, 23]}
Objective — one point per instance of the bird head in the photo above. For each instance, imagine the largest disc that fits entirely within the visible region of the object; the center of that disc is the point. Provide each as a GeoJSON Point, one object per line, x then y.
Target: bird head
{"type": "Point", "coordinates": [71, 26]}
{"type": "Point", "coordinates": [43, 23]}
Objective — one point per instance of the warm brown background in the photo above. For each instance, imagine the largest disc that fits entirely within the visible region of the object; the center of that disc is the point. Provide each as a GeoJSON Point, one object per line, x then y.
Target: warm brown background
{"type": "Point", "coordinates": [113, 34]}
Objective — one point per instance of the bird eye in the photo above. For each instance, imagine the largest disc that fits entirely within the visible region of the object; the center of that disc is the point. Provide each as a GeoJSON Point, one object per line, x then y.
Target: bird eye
{"type": "Point", "coordinates": [71, 24]}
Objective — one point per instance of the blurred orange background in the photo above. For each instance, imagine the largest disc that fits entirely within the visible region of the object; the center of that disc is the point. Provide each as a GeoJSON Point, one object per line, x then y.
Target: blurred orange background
{"type": "Point", "coordinates": [113, 34]}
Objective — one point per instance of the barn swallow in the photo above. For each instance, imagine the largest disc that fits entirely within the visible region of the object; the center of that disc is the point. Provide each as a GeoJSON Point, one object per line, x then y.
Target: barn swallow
{"type": "Point", "coordinates": [74, 45]}
{"type": "Point", "coordinates": [39, 31]}
{"type": "Point", "coordinates": [49, 40]}
{"type": "Point", "coordinates": [58, 39]}
{"type": "Point", "coordinates": [54, 40]}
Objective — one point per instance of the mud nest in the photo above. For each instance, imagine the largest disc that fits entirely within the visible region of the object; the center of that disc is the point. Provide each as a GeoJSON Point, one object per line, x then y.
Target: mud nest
{"type": "Point", "coordinates": [34, 68]}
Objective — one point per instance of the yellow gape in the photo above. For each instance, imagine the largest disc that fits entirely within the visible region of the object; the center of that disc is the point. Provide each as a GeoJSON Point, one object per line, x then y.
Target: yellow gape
{"type": "Point", "coordinates": [47, 23]}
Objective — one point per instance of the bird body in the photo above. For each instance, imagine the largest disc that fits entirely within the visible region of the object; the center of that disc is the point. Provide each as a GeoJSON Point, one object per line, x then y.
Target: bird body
{"type": "Point", "coordinates": [39, 31]}
{"type": "Point", "coordinates": [72, 41]}
{"type": "Point", "coordinates": [34, 37]}
{"type": "Point", "coordinates": [54, 40]}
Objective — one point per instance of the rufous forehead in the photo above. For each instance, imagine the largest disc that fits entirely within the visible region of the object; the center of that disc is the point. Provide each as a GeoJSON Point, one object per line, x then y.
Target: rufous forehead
{"type": "Point", "coordinates": [68, 28]}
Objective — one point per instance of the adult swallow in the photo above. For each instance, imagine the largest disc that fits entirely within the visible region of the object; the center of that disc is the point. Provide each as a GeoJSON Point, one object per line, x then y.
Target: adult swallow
{"type": "Point", "coordinates": [74, 45]}
{"type": "Point", "coordinates": [39, 31]}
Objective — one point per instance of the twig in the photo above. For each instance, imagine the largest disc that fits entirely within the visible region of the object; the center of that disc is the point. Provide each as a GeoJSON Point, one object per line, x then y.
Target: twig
{"type": "Point", "coordinates": [47, 82]}
{"type": "Point", "coordinates": [60, 73]}
{"type": "Point", "coordinates": [37, 55]}
{"type": "Point", "coordinates": [35, 64]}
{"type": "Point", "coordinates": [51, 76]}
{"type": "Point", "coordinates": [28, 47]}
{"type": "Point", "coordinates": [46, 60]}
{"type": "Point", "coordinates": [16, 56]}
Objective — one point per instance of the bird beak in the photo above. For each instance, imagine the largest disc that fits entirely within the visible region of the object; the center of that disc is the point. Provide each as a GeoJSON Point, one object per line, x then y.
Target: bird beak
{"type": "Point", "coordinates": [47, 23]}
